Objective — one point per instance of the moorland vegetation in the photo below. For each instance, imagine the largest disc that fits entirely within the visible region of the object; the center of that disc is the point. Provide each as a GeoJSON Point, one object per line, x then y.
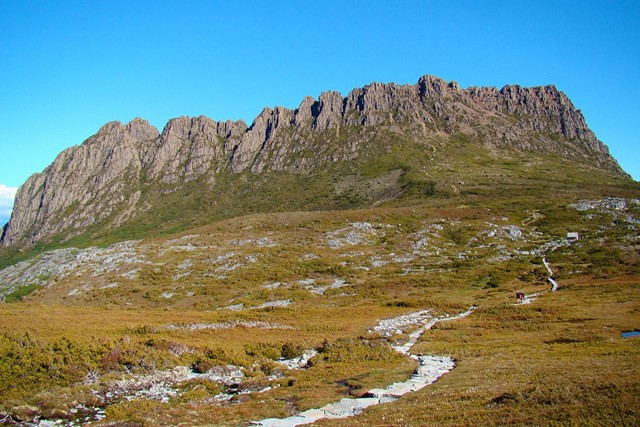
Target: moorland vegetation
{"type": "Point", "coordinates": [269, 286]}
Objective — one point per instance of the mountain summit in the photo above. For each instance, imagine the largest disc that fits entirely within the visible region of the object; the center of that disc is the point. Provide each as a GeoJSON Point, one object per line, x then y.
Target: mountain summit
{"type": "Point", "coordinates": [381, 142]}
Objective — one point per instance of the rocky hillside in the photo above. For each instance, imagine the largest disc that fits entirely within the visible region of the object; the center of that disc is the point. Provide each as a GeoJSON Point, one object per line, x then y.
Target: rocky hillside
{"type": "Point", "coordinates": [291, 249]}
{"type": "Point", "coordinates": [380, 142]}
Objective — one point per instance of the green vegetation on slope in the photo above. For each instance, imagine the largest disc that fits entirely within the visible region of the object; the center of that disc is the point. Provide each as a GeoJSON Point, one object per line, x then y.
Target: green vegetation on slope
{"type": "Point", "coordinates": [390, 168]}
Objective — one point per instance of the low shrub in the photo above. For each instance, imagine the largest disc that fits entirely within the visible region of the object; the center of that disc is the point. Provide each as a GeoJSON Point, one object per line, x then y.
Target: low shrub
{"type": "Point", "coordinates": [354, 350]}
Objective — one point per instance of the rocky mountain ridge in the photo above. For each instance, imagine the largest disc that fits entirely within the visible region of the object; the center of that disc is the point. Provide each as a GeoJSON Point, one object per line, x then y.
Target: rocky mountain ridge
{"type": "Point", "coordinates": [107, 179]}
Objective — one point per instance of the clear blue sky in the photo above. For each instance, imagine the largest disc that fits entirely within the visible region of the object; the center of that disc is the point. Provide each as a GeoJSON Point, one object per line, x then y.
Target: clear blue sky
{"type": "Point", "coordinates": [68, 67]}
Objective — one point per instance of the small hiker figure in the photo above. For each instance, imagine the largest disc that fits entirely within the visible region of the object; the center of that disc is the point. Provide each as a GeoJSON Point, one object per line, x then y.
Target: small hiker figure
{"type": "Point", "coordinates": [519, 296]}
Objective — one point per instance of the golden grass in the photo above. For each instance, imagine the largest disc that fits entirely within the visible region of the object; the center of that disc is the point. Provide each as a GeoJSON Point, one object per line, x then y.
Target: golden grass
{"type": "Point", "coordinates": [558, 361]}
{"type": "Point", "coordinates": [548, 363]}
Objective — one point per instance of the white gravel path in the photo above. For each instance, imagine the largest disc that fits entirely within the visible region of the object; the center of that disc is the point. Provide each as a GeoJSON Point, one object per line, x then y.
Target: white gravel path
{"type": "Point", "coordinates": [431, 368]}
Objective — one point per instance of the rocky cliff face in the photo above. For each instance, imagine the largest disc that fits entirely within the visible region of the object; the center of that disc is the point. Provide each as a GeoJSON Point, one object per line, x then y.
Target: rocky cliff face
{"type": "Point", "coordinates": [102, 180]}
{"type": "Point", "coordinates": [83, 185]}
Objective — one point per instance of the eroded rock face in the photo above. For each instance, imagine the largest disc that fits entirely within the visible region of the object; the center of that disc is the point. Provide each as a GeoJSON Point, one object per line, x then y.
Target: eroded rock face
{"type": "Point", "coordinates": [189, 147]}
{"type": "Point", "coordinates": [84, 184]}
{"type": "Point", "coordinates": [101, 179]}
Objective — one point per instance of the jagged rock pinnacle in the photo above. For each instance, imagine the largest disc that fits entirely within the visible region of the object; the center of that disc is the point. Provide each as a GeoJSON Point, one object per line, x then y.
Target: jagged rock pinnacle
{"type": "Point", "coordinates": [100, 181]}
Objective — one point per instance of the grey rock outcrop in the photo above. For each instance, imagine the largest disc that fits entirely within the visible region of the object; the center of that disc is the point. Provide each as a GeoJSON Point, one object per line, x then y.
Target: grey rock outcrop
{"type": "Point", "coordinates": [188, 147]}
{"type": "Point", "coordinates": [104, 178]}
{"type": "Point", "coordinates": [83, 185]}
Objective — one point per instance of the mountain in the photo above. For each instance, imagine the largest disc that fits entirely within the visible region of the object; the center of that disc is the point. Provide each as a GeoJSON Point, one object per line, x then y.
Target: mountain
{"type": "Point", "coordinates": [223, 274]}
{"type": "Point", "coordinates": [380, 143]}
